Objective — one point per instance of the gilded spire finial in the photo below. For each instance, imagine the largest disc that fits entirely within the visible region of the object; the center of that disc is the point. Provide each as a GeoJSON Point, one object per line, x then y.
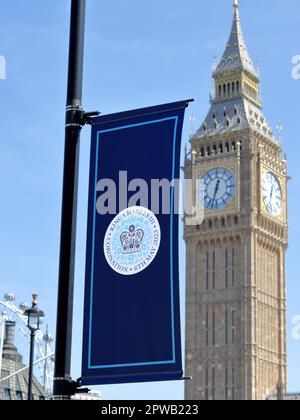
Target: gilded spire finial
{"type": "Point", "coordinates": [236, 4]}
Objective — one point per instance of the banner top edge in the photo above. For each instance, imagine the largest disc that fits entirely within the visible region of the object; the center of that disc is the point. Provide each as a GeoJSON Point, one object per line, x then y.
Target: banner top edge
{"type": "Point", "coordinates": [141, 112]}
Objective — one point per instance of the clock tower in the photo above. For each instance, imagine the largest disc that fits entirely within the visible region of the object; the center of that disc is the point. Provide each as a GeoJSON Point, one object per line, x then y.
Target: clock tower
{"type": "Point", "coordinates": [235, 270]}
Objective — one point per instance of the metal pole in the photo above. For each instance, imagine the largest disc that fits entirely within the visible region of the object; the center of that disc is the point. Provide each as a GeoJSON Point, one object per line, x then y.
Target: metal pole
{"type": "Point", "coordinates": [46, 351]}
{"type": "Point", "coordinates": [32, 338]}
{"type": "Point", "coordinates": [74, 124]}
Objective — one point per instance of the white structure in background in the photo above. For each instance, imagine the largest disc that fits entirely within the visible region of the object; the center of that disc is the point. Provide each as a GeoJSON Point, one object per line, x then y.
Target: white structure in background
{"type": "Point", "coordinates": [2, 68]}
{"type": "Point", "coordinates": [44, 366]}
{"type": "Point", "coordinates": [287, 397]}
{"type": "Point", "coordinates": [93, 395]}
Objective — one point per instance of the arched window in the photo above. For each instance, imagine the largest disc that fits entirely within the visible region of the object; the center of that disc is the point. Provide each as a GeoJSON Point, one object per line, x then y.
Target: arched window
{"type": "Point", "coordinates": [228, 89]}
{"type": "Point", "coordinates": [227, 147]}
{"type": "Point", "coordinates": [221, 148]}
{"type": "Point", "coordinates": [233, 147]}
{"type": "Point", "coordinates": [214, 148]}
{"type": "Point", "coordinates": [238, 86]}
{"type": "Point", "coordinates": [220, 91]}
{"type": "Point", "coordinates": [208, 151]}
{"type": "Point", "coordinates": [233, 88]}
{"type": "Point", "coordinates": [202, 152]}
{"type": "Point", "coordinates": [224, 90]}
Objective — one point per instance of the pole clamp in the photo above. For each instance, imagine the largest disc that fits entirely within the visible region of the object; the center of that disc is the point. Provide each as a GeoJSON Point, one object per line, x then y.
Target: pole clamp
{"type": "Point", "coordinates": [68, 388]}
{"type": "Point", "coordinates": [76, 117]}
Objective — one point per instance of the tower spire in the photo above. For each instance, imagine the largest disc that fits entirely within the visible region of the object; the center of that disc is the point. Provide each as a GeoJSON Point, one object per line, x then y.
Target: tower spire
{"type": "Point", "coordinates": [236, 54]}
{"type": "Point", "coordinates": [236, 101]}
{"type": "Point", "coordinates": [236, 6]}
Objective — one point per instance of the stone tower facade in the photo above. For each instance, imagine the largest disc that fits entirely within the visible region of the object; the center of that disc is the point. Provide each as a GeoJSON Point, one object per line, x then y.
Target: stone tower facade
{"type": "Point", "coordinates": [236, 297]}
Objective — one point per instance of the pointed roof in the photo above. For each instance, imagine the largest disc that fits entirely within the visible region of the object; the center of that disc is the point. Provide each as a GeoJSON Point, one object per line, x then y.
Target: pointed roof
{"type": "Point", "coordinates": [236, 112]}
{"type": "Point", "coordinates": [236, 55]}
{"type": "Point", "coordinates": [232, 116]}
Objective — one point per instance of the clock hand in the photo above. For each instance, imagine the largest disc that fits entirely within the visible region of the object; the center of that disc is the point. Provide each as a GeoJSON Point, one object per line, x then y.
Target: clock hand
{"type": "Point", "coordinates": [216, 191]}
{"type": "Point", "coordinates": [272, 193]}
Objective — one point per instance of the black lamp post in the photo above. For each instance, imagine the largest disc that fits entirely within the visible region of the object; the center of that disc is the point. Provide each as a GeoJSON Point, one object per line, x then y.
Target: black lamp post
{"type": "Point", "coordinates": [34, 316]}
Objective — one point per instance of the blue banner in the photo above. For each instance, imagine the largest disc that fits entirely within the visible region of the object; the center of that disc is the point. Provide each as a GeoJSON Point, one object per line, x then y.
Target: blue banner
{"type": "Point", "coordinates": [131, 312]}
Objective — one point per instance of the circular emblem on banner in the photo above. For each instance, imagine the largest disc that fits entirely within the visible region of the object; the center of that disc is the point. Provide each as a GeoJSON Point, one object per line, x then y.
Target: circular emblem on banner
{"type": "Point", "coordinates": [132, 241]}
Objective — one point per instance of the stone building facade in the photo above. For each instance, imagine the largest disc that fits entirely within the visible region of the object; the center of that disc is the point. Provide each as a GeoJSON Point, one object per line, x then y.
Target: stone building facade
{"type": "Point", "coordinates": [236, 295]}
{"type": "Point", "coordinates": [16, 387]}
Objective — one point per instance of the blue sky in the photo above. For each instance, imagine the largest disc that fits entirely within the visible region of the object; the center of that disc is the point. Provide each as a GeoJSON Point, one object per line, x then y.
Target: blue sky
{"type": "Point", "coordinates": [138, 53]}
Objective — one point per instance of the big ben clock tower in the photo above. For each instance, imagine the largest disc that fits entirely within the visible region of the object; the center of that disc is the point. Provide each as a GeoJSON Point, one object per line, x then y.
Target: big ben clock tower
{"type": "Point", "coordinates": [236, 298]}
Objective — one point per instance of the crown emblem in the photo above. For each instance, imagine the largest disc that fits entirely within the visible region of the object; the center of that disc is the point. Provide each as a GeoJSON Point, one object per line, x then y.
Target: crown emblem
{"type": "Point", "coordinates": [132, 240]}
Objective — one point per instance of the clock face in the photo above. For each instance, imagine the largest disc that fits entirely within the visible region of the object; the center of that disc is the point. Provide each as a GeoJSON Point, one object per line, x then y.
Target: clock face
{"type": "Point", "coordinates": [219, 188]}
{"type": "Point", "coordinates": [272, 195]}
